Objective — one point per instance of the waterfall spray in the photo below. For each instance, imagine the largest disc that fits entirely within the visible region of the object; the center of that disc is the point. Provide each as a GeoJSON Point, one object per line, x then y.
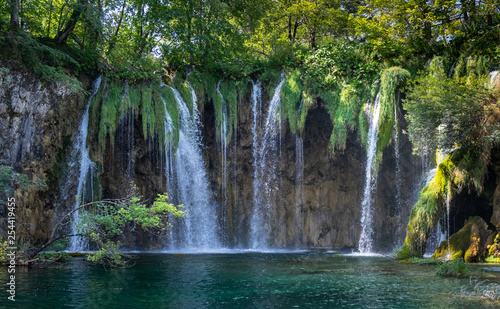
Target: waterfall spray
{"type": "Point", "coordinates": [188, 181]}
{"type": "Point", "coordinates": [266, 157]}
{"type": "Point", "coordinates": [223, 145]}
{"type": "Point", "coordinates": [365, 239]}
{"type": "Point", "coordinates": [80, 153]}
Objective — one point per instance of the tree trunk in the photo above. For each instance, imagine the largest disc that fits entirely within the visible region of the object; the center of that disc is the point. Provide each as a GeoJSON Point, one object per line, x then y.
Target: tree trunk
{"type": "Point", "coordinates": [312, 39]}
{"type": "Point", "coordinates": [113, 39]}
{"type": "Point", "coordinates": [427, 32]}
{"type": "Point", "coordinates": [14, 13]}
{"type": "Point", "coordinates": [63, 34]}
{"type": "Point", "coordinates": [295, 27]}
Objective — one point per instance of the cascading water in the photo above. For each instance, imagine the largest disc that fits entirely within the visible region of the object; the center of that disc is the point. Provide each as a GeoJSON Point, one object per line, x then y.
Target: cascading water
{"type": "Point", "coordinates": [223, 145]}
{"type": "Point", "coordinates": [188, 181]}
{"type": "Point", "coordinates": [257, 115]}
{"type": "Point", "coordinates": [398, 197]}
{"type": "Point", "coordinates": [435, 238]}
{"type": "Point", "coordinates": [365, 239]}
{"type": "Point", "coordinates": [83, 165]}
{"type": "Point", "coordinates": [266, 159]}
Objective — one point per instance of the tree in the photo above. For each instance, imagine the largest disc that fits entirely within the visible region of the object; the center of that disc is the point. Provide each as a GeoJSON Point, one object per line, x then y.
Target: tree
{"type": "Point", "coordinates": [14, 13]}
{"type": "Point", "coordinates": [104, 221]}
{"type": "Point", "coordinates": [449, 112]}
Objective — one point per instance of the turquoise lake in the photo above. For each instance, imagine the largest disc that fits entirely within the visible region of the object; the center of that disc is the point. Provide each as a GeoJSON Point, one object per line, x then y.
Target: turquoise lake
{"type": "Point", "coordinates": [247, 280]}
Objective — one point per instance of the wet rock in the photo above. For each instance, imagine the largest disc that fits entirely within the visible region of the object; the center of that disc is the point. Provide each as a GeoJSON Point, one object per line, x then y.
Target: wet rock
{"type": "Point", "coordinates": [33, 142]}
{"type": "Point", "coordinates": [469, 243]}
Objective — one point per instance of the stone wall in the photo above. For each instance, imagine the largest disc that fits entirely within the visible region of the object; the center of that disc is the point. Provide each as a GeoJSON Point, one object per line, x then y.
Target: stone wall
{"type": "Point", "coordinates": [37, 121]}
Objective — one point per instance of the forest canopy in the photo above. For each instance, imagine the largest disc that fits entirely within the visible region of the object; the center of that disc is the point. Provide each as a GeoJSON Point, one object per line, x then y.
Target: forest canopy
{"type": "Point", "coordinates": [137, 39]}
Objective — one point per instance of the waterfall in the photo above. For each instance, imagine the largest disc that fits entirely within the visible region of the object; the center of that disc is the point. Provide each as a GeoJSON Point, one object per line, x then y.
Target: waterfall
{"type": "Point", "coordinates": [187, 182]}
{"type": "Point", "coordinates": [435, 238]}
{"type": "Point", "coordinates": [257, 119]}
{"type": "Point", "coordinates": [223, 145]}
{"type": "Point", "coordinates": [81, 163]}
{"type": "Point", "coordinates": [266, 159]}
{"type": "Point", "coordinates": [365, 239]}
{"type": "Point", "coordinates": [398, 197]}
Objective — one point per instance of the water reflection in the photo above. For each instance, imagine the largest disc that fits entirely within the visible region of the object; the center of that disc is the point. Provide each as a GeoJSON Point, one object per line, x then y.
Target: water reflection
{"type": "Point", "coordinates": [243, 280]}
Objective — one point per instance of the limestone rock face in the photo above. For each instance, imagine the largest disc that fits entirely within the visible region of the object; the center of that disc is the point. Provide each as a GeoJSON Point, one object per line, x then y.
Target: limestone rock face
{"type": "Point", "coordinates": [37, 122]}
{"type": "Point", "coordinates": [495, 218]}
{"type": "Point", "coordinates": [326, 210]}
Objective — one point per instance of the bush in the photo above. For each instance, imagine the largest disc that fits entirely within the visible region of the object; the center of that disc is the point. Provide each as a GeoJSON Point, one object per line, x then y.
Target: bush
{"type": "Point", "coordinates": [57, 255]}
{"type": "Point", "coordinates": [455, 268]}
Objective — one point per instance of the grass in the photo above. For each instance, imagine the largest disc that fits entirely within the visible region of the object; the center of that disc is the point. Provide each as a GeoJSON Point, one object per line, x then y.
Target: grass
{"type": "Point", "coordinates": [455, 268]}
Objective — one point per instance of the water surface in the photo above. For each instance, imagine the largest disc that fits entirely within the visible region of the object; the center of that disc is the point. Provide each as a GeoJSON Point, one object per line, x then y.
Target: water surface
{"type": "Point", "coordinates": [243, 280]}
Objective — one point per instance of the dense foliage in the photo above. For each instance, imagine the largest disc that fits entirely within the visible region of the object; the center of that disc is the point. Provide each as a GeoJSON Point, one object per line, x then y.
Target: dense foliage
{"type": "Point", "coordinates": [104, 221]}
{"type": "Point", "coordinates": [332, 50]}
{"type": "Point", "coordinates": [338, 52]}
{"type": "Point", "coordinates": [137, 39]}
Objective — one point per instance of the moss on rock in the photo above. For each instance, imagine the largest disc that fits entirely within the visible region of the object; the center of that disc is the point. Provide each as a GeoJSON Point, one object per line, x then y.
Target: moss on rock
{"type": "Point", "coordinates": [468, 243]}
{"type": "Point", "coordinates": [427, 211]}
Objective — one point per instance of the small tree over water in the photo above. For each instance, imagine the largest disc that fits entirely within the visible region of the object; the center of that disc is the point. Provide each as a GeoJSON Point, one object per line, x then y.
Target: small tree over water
{"type": "Point", "coordinates": [105, 220]}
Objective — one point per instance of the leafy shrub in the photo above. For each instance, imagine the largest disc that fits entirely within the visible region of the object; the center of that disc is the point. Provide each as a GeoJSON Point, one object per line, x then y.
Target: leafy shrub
{"type": "Point", "coordinates": [455, 268]}
{"type": "Point", "coordinates": [56, 255]}
{"type": "Point", "coordinates": [50, 63]}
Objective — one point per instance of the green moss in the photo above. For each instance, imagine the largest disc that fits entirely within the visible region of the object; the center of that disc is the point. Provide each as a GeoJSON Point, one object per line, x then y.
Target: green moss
{"type": "Point", "coordinates": [147, 112]}
{"type": "Point", "coordinates": [344, 106]}
{"type": "Point", "coordinates": [291, 94]}
{"type": "Point", "coordinates": [210, 84]}
{"type": "Point", "coordinates": [420, 261]}
{"type": "Point", "coordinates": [116, 100]}
{"type": "Point", "coordinates": [185, 92]}
{"type": "Point", "coordinates": [391, 81]}
{"type": "Point", "coordinates": [494, 248]}
{"type": "Point", "coordinates": [457, 255]}
{"type": "Point", "coordinates": [230, 99]}
{"type": "Point", "coordinates": [363, 126]}
{"type": "Point", "coordinates": [218, 102]}
{"type": "Point", "coordinates": [159, 114]}
{"type": "Point", "coordinates": [271, 78]}
{"type": "Point", "coordinates": [492, 260]}
{"type": "Point", "coordinates": [196, 79]}
{"type": "Point", "coordinates": [307, 104]}
{"type": "Point", "coordinates": [95, 115]}
{"type": "Point", "coordinates": [428, 210]}
{"type": "Point", "coordinates": [403, 253]}
{"type": "Point", "coordinates": [167, 94]}
{"type": "Point", "coordinates": [242, 87]}
{"type": "Point", "coordinates": [134, 97]}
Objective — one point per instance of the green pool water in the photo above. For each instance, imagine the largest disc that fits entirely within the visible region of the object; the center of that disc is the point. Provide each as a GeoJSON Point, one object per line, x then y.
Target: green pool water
{"type": "Point", "coordinates": [245, 280]}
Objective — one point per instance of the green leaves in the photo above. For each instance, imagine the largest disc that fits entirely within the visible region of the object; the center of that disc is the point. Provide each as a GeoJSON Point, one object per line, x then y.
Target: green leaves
{"type": "Point", "coordinates": [10, 180]}
{"type": "Point", "coordinates": [446, 113]}
{"type": "Point", "coordinates": [104, 221]}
